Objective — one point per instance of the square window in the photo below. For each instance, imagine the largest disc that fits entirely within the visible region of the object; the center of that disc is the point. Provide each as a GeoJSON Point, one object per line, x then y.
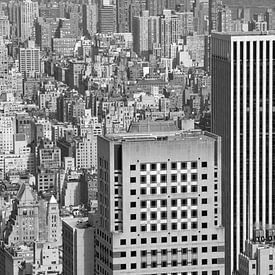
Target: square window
{"type": "Point", "coordinates": [143, 191]}
{"type": "Point", "coordinates": [194, 177]}
{"type": "Point", "coordinates": [204, 164]}
{"type": "Point", "coordinates": [184, 189]}
{"type": "Point", "coordinates": [123, 242]}
{"type": "Point", "coordinates": [184, 251]}
{"type": "Point", "coordinates": [143, 179]}
{"type": "Point", "coordinates": [163, 215]}
{"type": "Point", "coordinates": [132, 167]}
{"type": "Point", "coordinates": [164, 239]}
{"type": "Point", "coordinates": [183, 214]}
{"type": "Point", "coordinates": [184, 238]}
{"type": "Point", "coordinates": [174, 226]}
{"type": "Point", "coordinates": [174, 263]}
{"type": "Point", "coordinates": [174, 239]}
{"type": "Point", "coordinates": [194, 238]}
{"type": "Point", "coordinates": [163, 166]}
{"type": "Point", "coordinates": [143, 216]}
{"type": "Point", "coordinates": [214, 248]}
{"type": "Point", "coordinates": [173, 189]}
{"type": "Point", "coordinates": [163, 178]}
{"type": "Point", "coordinates": [204, 201]}
{"type": "Point", "coordinates": [173, 165]}
{"type": "Point", "coordinates": [133, 229]}
{"type": "Point", "coordinates": [163, 190]}
{"type": "Point", "coordinates": [154, 252]}
{"type": "Point", "coordinates": [184, 225]}
{"type": "Point", "coordinates": [174, 202]}
{"type": "Point", "coordinates": [143, 204]}
{"type": "Point", "coordinates": [143, 228]}
{"type": "Point", "coordinates": [153, 215]}
{"type": "Point", "coordinates": [153, 190]}
{"type": "Point", "coordinates": [204, 237]}
{"type": "Point", "coordinates": [164, 252]}
{"type": "Point", "coordinates": [153, 178]}
{"type": "Point", "coordinates": [153, 203]}
{"type": "Point", "coordinates": [163, 203]}
{"type": "Point", "coordinates": [194, 213]}
{"type": "Point", "coordinates": [163, 226]}
{"type": "Point", "coordinates": [153, 240]}
{"type": "Point", "coordinates": [184, 262]}
{"type": "Point", "coordinates": [204, 188]}
{"type": "Point", "coordinates": [122, 254]}
{"type": "Point", "coordinates": [204, 249]}
{"type": "Point", "coordinates": [164, 264]}
{"type": "Point", "coordinates": [133, 204]}
{"type": "Point", "coordinates": [194, 262]}
{"type": "Point", "coordinates": [194, 165]}
{"type": "Point", "coordinates": [173, 177]}
{"type": "Point", "coordinates": [194, 188]}
{"type": "Point", "coordinates": [143, 167]}
{"type": "Point", "coordinates": [153, 227]}
{"type": "Point", "coordinates": [204, 176]}
{"type": "Point", "coordinates": [153, 167]}
{"type": "Point", "coordinates": [133, 192]}
{"type": "Point", "coordinates": [133, 217]}
{"type": "Point", "coordinates": [133, 266]}
{"type": "Point", "coordinates": [194, 225]}
{"type": "Point", "coordinates": [133, 180]}
{"type": "Point", "coordinates": [184, 165]}
{"type": "Point", "coordinates": [183, 177]}
{"type": "Point", "coordinates": [143, 240]}
{"type": "Point", "coordinates": [204, 213]}
{"type": "Point", "coordinates": [214, 237]}
{"type": "Point", "coordinates": [204, 261]}
{"type": "Point", "coordinates": [153, 264]}
{"type": "Point", "coordinates": [133, 253]}
{"type": "Point", "coordinates": [123, 266]}
{"type": "Point", "coordinates": [194, 201]}
{"type": "Point", "coordinates": [133, 241]}
{"type": "Point", "coordinates": [214, 261]}
{"type": "Point", "coordinates": [143, 265]}
{"type": "Point", "coordinates": [204, 225]}
{"type": "Point", "coordinates": [183, 202]}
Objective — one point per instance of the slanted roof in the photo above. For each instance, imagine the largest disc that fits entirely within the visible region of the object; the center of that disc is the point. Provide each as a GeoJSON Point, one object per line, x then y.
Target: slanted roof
{"type": "Point", "coordinates": [24, 194]}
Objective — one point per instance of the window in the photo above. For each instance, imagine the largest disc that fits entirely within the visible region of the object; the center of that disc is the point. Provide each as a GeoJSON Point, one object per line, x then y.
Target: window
{"type": "Point", "coordinates": [174, 214]}
{"type": "Point", "coordinates": [174, 239]}
{"type": "Point", "coordinates": [204, 249]}
{"type": "Point", "coordinates": [163, 190]}
{"type": "Point", "coordinates": [214, 261]}
{"type": "Point", "coordinates": [143, 167]}
{"type": "Point", "coordinates": [153, 215]}
{"type": "Point", "coordinates": [184, 238]}
{"type": "Point", "coordinates": [194, 165]}
{"type": "Point", "coordinates": [133, 180]}
{"type": "Point", "coordinates": [153, 240]}
{"type": "Point", "coordinates": [183, 189]}
{"type": "Point", "coordinates": [184, 225]}
{"type": "Point", "coordinates": [143, 253]}
{"type": "Point", "coordinates": [143, 240]}
{"type": "Point", "coordinates": [173, 189]}
{"type": "Point", "coordinates": [163, 214]}
{"type": "Point", "coordinates": [133, 229]}
{"type": "Point", "coordinates": [154, 252]}
{"type": "Point", "coordinates": [174, 226]}
{"type": "Point", "coordinates": [153, 178]}
{"type": "Point", "coordinates": [123, 266]}
{"type": "Point", "coordinates": [204, 164]}
{"type": "Point", "coordinates": [194, 250]}
{"type": "Point", "coordinates": [214, 236]}
{"type": "Point", "coordinates": [143, 216]}
{"type": "Point", "coordinates": [164, 239]}
{"type": "Point", "coordinates": [204, 261]}
{"type": "Point", "coordinates": [143, 265]}
{"type": "Point", "coordinates": [164, 264]}
{"type": "Point", "coordinates": [214, 248]}
{"type": "Point", "coordinates": [153, 227]}
{"type": "Point", "coordinates": [153, 203]}
{"type": "Point", "coordinates": [194, 213]}
{"type": "Point", "coordinates": [143, 179]}
{"type": "Point", "coordinates": [132, 167]}
{"type": "Point", "coordinates": [163, 226]}
{"type": "Point", "coordinates": [204, 225]}
{"type": "Point", "coordinates": [163, 203]}
{"type": "Point", "coordinates": [183, 214]}
{"type": "Point", "coordinates": [194, 225]}
{"type": "Point", "coordinates": [133, 241]}
{"type": "Point", "coordinates": [164, 252]}
{"type": "Point", "coordinates": [204, 188]}
{"type": "Point", "coordinates": [163, 178]}
{"type": "Point", "coordinates": [174, 202]}
{"type": "Point", "coordinates": [184, 165]}
{"type": "Point", "coordinates": [133, 192]}
{"type": "Point", "coordinates": [204, 176]}
{"type": "Point", "coordinates": [173, 165]}
{"type": "Point", "coordinates": [153, 166]}
{"type": "Point", "coordinates": [194, 188]}
{"type": "Point", "coordinates": [153, 264]}
{"type": "Point", "coordinates": [163, 166]}
{"type": "Point", "coordinates": [194, 238]}
{"type": "Point", "coordinates": [132, 204]}
{"type": "Point", "coordinates": [194, 262]}
{"type": "Point", "coordinates": [184, 262]}
{"type": "Point", "coordinates": [122, 254]}
{"type": "Point", "coordinates": [184, 177]}
{"type": "Point", "coordinates": [271, 257]}
{"type": "Point", "coordinates": [183, 202]}
{"type": "Point", "coordinates": [123, 242]}
{"type": "Point", "coordinates": [173, 177]}
{"type": "Point", "coordinates": [133, 253]}
{"type": "Point", "coordinates": [204, 237]}
{"type": "Point", "coordinates": [143, 204]}
{"type": "Point", "coordinates": [174, 263]}
{"type": "Point", "coordinates": [143, 191]}
{"type": "Point", "coordinates": [194, 177]}
{"type": "Point", "coordinates": [133, 217]}
{"type": "Point", "coordinates": [133, 266]}
{"type": "Point", "coordinates": [204, 201]}
{"type": "Point", "coordinates": [184, 251]}
{"type": "Point", "coordinates": [153, 190]}
{"type": "Point", "coordinates": [194, 201]}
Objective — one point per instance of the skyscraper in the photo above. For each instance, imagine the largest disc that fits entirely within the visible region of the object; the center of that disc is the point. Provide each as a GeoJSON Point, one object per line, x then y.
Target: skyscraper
{"type": "Point", "coordinates": [28, 12]}
{"type": "Point", "coordinates": [213, 7]}
{"type": "Point", "coordinates": [90, 18]}
{"type": "Point", "coordinates": [159, 202]}
{"type": "Point", "coordinates": [107, 19]}
{"type": "Point", "coordinates": [156, 7]}
{"type": "Point", "coordinates": [123, 15]}
{"type": "Point", "coordinates": [243, 115]}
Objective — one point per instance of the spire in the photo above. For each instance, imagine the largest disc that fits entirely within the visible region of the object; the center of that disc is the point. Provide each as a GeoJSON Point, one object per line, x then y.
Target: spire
{"type": "Point", "coordinates": [53, 200]}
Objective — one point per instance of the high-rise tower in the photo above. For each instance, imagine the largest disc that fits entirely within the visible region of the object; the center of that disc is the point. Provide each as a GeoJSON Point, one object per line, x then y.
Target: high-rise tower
{"type": "Point", "coordinates": [243, 115]}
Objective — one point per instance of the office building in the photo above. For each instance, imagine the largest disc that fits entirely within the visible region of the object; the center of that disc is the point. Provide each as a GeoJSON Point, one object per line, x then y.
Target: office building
{"type": "Point", "coordinates": [156, 7]}
{"type": "Point", "coordinates": [28, 12]}
{"type": "Point", "coordinates": [107, 19]}
{"type": "Point", "coordinates": [243, 115]}
{"type": "Point", "coordinates": [214, 7]}
{"type": "Point", "coordinates": [4, 65]}
{"type": "Point", "coordinates": [4, 25]}
{"type": "Point", "coordinates": [90, 18]}
{"type": "Point", "coordinates": [123, 16]}
{"type": "Point", "coordinates": [29, 60]}
{"type": "Point", "coordinates": [159, 201]}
